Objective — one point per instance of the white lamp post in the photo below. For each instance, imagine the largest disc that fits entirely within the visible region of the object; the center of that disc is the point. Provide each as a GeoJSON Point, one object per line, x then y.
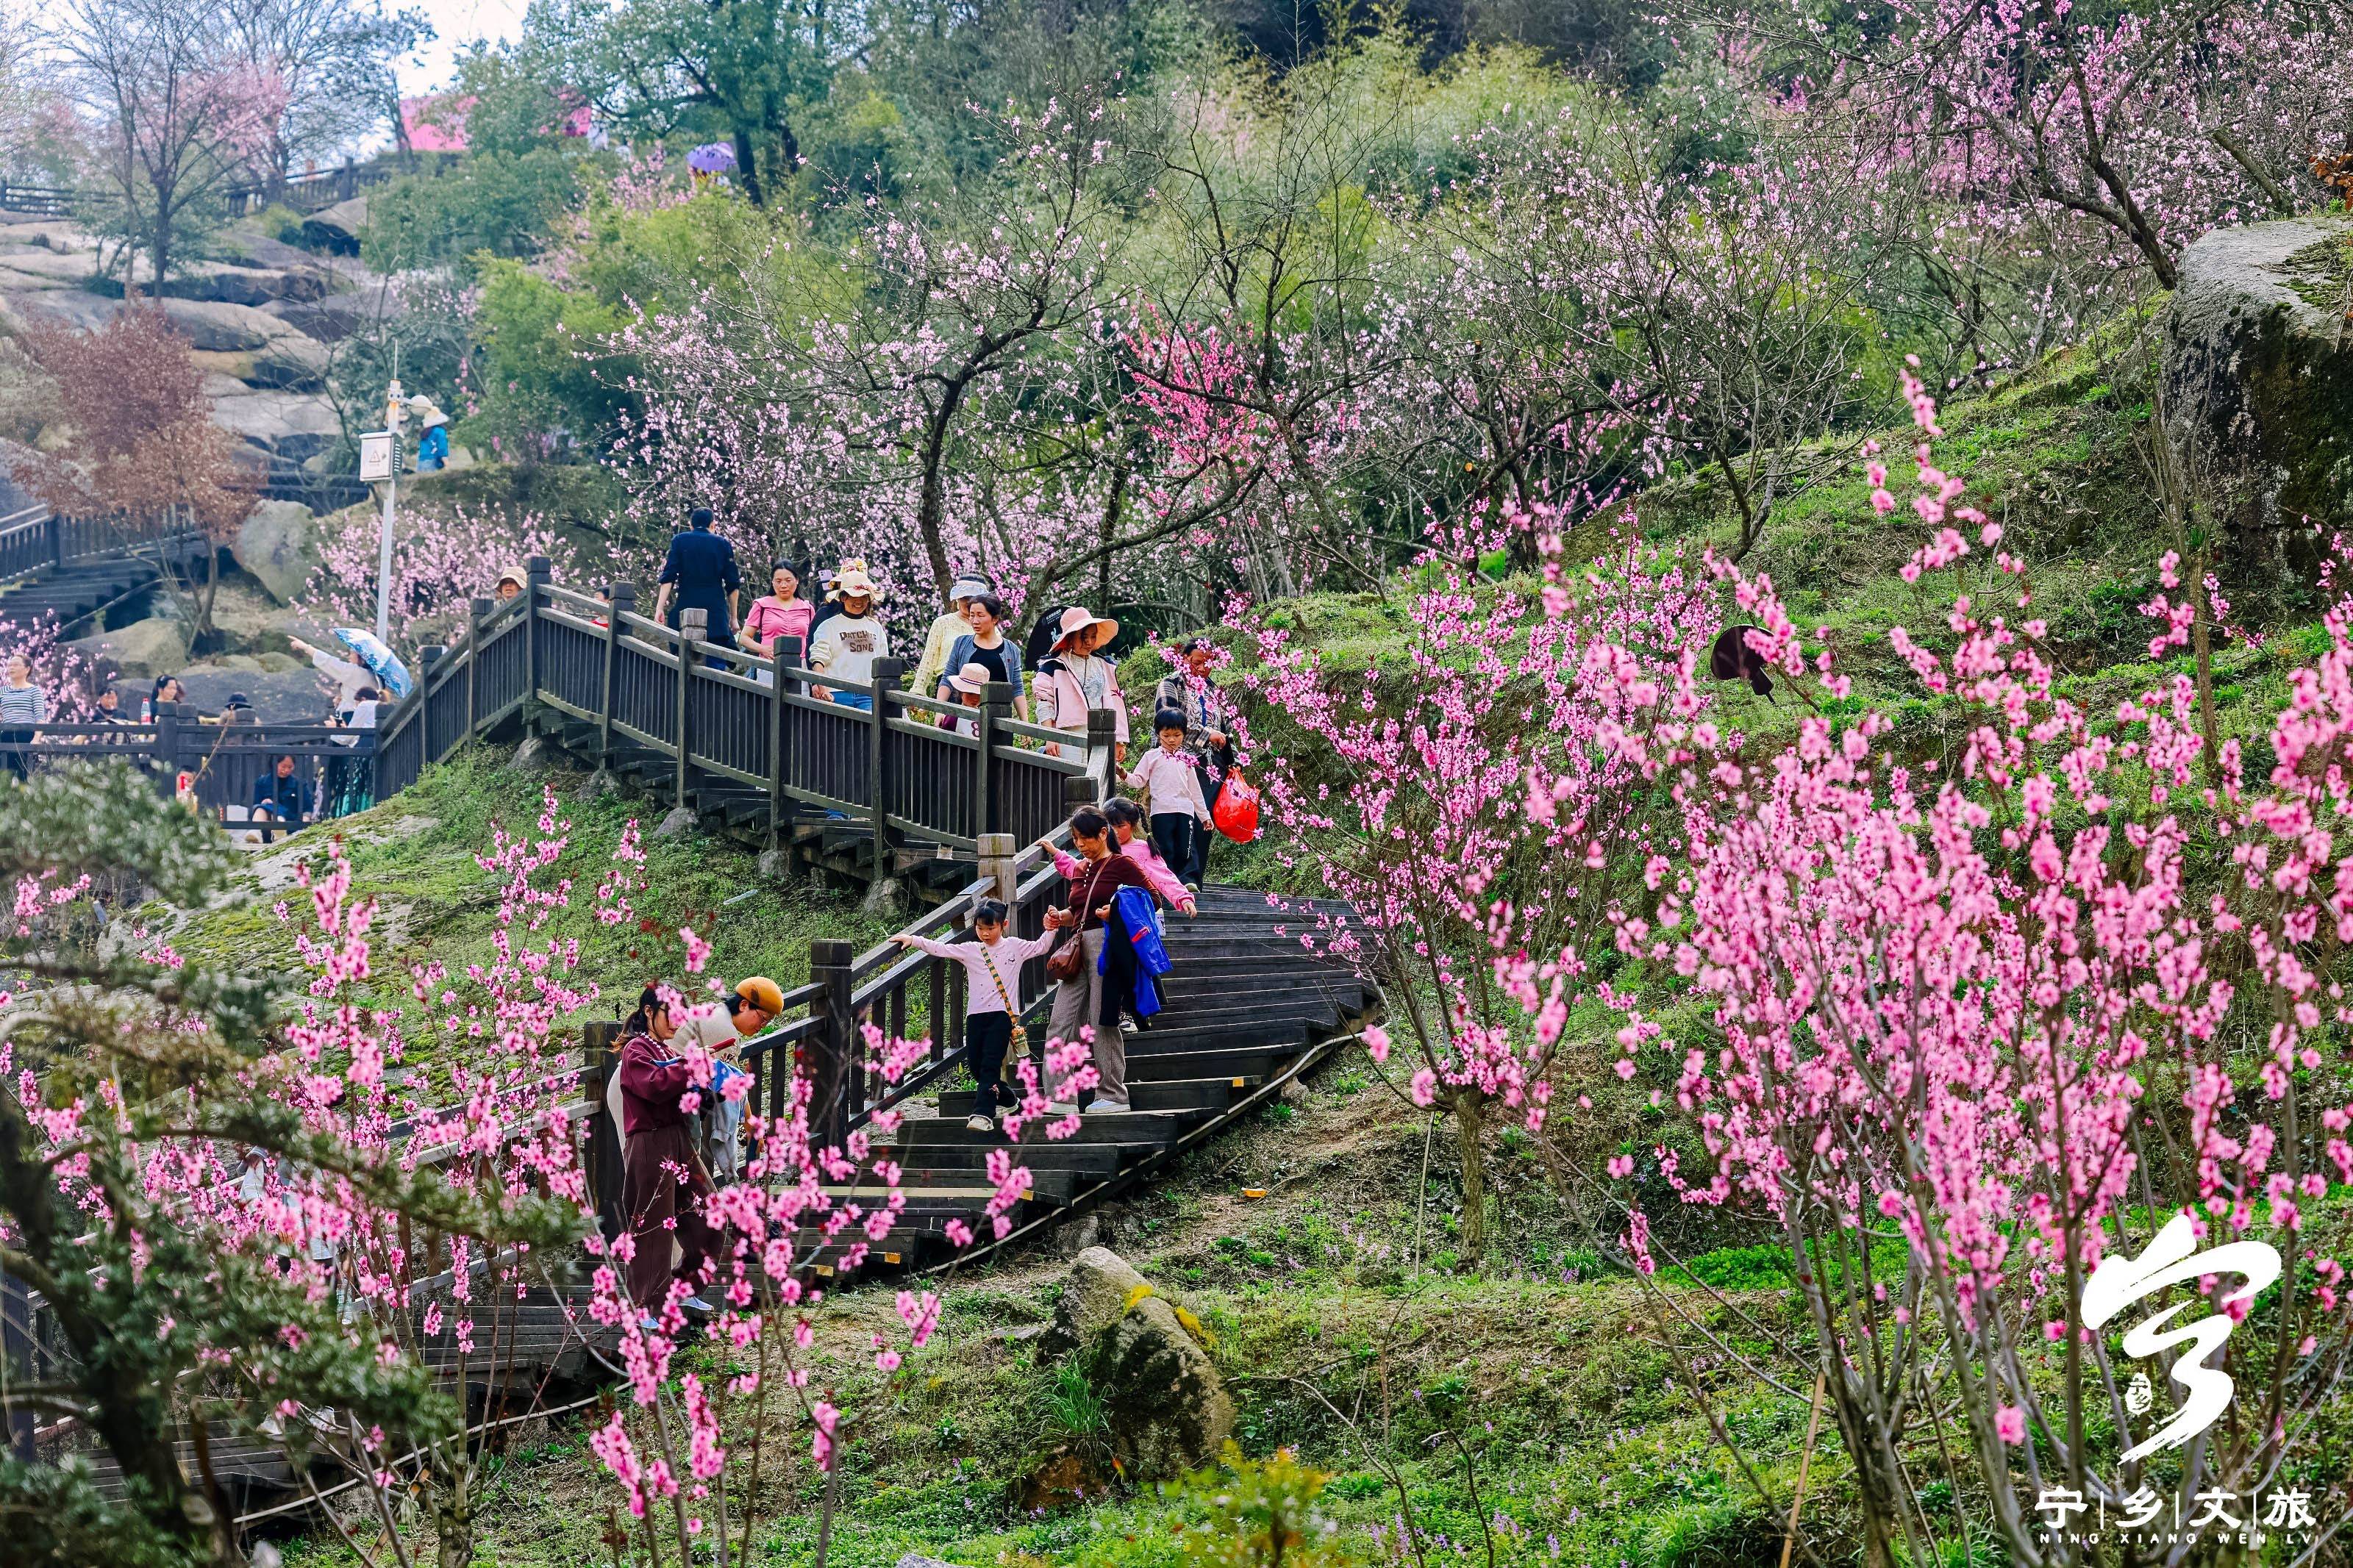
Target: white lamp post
{"type": "Point", "coordinates": [395, 416]}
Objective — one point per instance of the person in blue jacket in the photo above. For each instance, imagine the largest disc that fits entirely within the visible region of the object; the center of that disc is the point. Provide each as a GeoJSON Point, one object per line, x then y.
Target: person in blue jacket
{"type": "Point", "coordinates": [700, 573]}
{"type": "Point", "coordinates": [432, 434]}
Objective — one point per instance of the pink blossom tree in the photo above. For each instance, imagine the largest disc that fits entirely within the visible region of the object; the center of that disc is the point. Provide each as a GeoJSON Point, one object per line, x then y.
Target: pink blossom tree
{"type": "Point", "coordinates": [443, 555]}
{"type": "Point", "coordinates": [2144, 127]}
{"type": "Point", "coordinates": [1992, 1056]}
{"type": "Point", "coordinates": [1466, 800]}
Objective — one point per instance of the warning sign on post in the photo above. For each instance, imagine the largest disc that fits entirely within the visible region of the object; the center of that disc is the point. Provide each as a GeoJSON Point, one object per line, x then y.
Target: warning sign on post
{"type": "Point", "coordinates": [376, 455]}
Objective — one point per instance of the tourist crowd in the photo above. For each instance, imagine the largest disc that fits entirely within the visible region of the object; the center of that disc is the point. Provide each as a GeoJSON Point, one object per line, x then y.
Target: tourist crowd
{"type": "Point", "coordinates": [1132, 860]}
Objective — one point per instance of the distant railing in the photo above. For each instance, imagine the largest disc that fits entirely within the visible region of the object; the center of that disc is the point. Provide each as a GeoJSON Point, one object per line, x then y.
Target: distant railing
{"type": "Point", "coordinates": [323, 188]}
{"type": "Point", "coordinates": [36, 537]}
{"type": "Point", "coordinates": [212, 764]}
{"type": "Point", "coordinates": [39, 201]}
{"type": "Point", "coordinates": [736, 726]}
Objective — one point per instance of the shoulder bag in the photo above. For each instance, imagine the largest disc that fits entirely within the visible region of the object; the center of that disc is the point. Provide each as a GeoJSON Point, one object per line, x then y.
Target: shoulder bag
{"type": "Point", "coordinates": [1018, 1044]}
{"type": "Point", "coordinates": [1071, 957]}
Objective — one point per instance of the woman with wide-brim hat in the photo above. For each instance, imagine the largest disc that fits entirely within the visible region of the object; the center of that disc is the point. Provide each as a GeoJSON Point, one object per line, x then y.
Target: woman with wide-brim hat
{"type": "Point", "coordinates": [432, 434]}
{"type": "Point", "coordinates": [1076, 677]}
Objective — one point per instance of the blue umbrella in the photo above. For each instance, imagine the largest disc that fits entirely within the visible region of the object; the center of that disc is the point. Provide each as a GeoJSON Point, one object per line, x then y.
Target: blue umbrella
{"type": "Point", "coordinates": [380, 660]}
{"type": "Point", "coordinates": [712, 158]}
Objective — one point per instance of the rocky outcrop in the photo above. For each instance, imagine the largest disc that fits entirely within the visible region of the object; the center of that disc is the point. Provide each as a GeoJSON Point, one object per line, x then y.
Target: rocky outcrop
{"type": "Point", "coordinates": [259, 322]}
{"type": "Point", "coordinates": [278, 547]}
{"type": "Point", "coordinates": [290, 424]}
{"type": "Point", "coordinates": [1165, 1405]}
{"type": "Point", "coordinates": [141, 650]}
{"type": "Point", "coordinates": [2259, 378]}
{"type": "Point", "coordinates": [290, 362]}
{"type": "Point", "coordinates": [254, 286]}
{"type": "Point", "coordinates": [336, 229]}
{"type": "Point", "coordinates": [218, 327]}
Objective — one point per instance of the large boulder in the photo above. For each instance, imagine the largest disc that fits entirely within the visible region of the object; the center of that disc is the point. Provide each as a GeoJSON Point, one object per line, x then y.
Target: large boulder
{"type": "Point", "coordinates": [221, 327]}
{"type": "Point", "coordinates": [279, 421]}
{"type": "Point", "coordinates": [1166, 1407]}
{"type": "Point", "coordinates": [336, 229]}
{"type": "Point", "coordinates": [143, 649]}
{"type": "Point", "coordinates": [276, 545]}
{"type": "Point", "coordinates": [338, 316]}
{"type": "Point", "coordinates": [255, 286]}
{"type": "Point", "coordinates": [290, 363]}
{"type": "Point", "coordinates": [2259, 378]}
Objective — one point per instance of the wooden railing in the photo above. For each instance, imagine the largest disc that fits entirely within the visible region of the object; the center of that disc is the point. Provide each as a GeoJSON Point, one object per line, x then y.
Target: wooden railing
{"type": "Point", "coordinates": [36, 537]}
{"type": "Point", "coordinates": [38, 200]}
{"type": "Point", "coordinates": [734, 726]}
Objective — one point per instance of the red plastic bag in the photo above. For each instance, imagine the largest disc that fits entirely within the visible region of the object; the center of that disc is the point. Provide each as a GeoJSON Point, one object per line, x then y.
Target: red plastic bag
{"type": "Point", "coordinates": [1235, 813]}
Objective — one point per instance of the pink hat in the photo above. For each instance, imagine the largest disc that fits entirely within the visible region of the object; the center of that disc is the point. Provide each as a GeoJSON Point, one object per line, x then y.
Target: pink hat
{"type": "Point", "coordinates": [972, 678]}
{"type": "Point", "coordinates": [1078, 618]}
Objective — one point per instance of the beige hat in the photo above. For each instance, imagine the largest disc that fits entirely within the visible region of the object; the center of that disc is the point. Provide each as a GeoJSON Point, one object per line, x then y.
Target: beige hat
{"type": "Point", "coordinates": [1078, 618]}
{"type": "Point", "coordinates": [854, 581]}
{"type": "Point", "coordinates": [426, 411]}
{"type": "Point", "coordinates": [972, 678]}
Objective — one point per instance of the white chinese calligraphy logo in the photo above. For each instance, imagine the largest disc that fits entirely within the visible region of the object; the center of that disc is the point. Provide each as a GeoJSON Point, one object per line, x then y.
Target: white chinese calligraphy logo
{"type": "Point", "coordinates": [2173, 1259]}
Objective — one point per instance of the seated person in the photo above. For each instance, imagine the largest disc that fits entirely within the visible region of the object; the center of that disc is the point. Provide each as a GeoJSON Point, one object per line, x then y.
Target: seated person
{"type": "Point", "coordinates": [278, 797]}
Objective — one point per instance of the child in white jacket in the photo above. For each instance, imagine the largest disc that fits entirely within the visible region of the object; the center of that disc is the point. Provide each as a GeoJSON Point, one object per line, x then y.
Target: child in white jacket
{"type": "Point", "coordinates": [1178, 812]}
{"type": "Point", "coordinates": [992, 1000]}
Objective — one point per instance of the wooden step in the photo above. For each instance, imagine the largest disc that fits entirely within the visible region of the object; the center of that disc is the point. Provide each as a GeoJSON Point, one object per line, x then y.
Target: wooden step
{"type": "Point", "coordinates": [1197, 1094]}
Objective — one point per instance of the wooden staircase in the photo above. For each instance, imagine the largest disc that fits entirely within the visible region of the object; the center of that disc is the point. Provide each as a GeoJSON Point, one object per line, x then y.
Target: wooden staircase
{"type": "Point", "coordinates": [73, 593]}
{"type": "Point", "coordinates": [1244, 1011]}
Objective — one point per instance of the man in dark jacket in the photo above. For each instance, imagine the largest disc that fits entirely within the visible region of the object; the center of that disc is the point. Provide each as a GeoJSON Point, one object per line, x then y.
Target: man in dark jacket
{"type": "Point", "coordinates": [700, 573]}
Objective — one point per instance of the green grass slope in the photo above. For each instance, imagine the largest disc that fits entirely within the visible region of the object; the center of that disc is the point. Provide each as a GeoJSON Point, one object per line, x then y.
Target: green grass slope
{"type": "Point", "coordinates": [416, 856]}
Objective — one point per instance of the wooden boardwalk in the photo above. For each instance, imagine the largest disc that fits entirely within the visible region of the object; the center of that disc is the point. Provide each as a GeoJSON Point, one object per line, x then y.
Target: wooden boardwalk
{"type": "Point", "coordinates": [744, 748]}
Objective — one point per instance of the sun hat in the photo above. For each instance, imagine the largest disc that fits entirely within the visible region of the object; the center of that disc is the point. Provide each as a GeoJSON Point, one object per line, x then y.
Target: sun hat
{"type": "Point", "coordinates": [971, 586]}
{"type": "Point", "coordinates": [426, 411]}
{"type": "Point", "coordinates": [761, 993]}
{"type": "Point", "coordinates": [514, 574]}
{"type": "Point", "coordinates": [972, 678]}
{"type": "Point", "coordinates": [854, 582]}
{"type": "Point", "coordinates": [1078, 618]}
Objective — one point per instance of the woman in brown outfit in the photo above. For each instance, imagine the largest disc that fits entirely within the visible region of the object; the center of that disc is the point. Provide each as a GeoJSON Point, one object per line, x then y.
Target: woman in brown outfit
{"type": "Point", "coordinates": [659, 1161]}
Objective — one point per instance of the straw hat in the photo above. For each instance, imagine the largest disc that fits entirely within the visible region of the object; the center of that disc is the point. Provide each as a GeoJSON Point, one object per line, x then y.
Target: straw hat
{"type": "Point", "coordinates": [1078, 618]}
{"type": "Point", "coordinates": [972, 678]}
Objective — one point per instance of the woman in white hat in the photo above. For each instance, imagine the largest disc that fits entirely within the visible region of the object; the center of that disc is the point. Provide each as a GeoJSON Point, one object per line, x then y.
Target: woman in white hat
{"type": "Point", "coordinates": [935, 666]}
{"type": "Point", "coordinates": [847, 645]}
{"type": "Point", "coordinates": [1075, 678]}
{"type": "Point", "coordinates": [432, 434]}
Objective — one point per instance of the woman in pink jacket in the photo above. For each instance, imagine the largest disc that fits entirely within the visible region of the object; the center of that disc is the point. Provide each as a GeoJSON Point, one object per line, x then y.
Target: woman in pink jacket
{"type": "Point", "coordinates": [1075, 678]}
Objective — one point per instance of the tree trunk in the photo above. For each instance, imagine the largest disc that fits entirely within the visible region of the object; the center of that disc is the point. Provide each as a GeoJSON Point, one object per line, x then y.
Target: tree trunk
{"type": "Point", "coordinates": [1470, 1127]}
{"type": "Point", "coordinates": [453, 1524]}
{"type": "Point", "coordinates": [747, 166]}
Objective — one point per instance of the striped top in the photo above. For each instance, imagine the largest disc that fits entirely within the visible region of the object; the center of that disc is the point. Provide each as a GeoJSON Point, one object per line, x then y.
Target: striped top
{"type": "Point", "coordinates": [23, 705]}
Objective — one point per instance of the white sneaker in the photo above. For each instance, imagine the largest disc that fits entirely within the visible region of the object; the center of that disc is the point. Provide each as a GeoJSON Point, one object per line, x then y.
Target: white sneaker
{"type": "Point", "coordinates": [696, 1304]}
{"type": "Point", "coordinates": [1127, 1026]}
{"type": "Point", "coordinates": [1104, 1108]}
{"type": "Point", "coordinates": [978, 1124]}
{"type": "Point", "coordinates": [1062, 1108]}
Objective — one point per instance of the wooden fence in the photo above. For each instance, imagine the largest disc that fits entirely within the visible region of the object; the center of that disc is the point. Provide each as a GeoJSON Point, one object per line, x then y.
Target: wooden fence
{"type": "Point", "coordinates": [38, 200]}
{"type": "Point", "coordinates": [732, 728]}
{"type": "Point", "coordinates": [36, 537]}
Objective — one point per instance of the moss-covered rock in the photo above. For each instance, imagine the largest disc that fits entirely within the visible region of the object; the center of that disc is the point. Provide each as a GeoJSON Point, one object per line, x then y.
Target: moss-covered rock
{"type": "Point", "coordinates": [2259, 376]}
